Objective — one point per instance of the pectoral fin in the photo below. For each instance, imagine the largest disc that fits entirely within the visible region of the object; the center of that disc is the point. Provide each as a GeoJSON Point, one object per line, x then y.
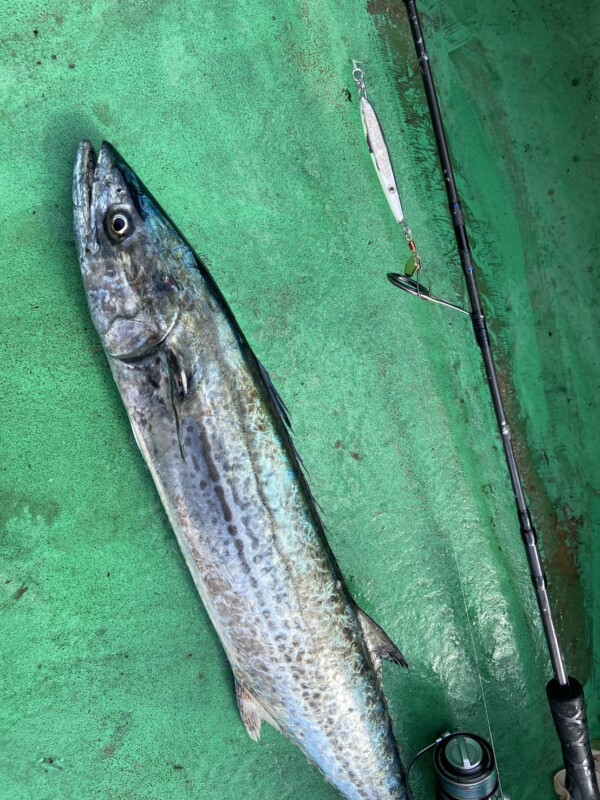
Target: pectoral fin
{"type": "Point", "coordinates": [178, 386]}
{"type": "Point", "coordinates": [251, 712]}
{"type": "Point", "coordinates": [379, 643]}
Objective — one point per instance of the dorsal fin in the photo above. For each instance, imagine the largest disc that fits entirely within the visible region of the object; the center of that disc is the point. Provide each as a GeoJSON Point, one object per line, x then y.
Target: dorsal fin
{"type": "Point", "coordinates": [379, 643]}
{"type": "Point", "coordinates": [281, 409]}
{"type": "Point", "coordinates": [275, 396]}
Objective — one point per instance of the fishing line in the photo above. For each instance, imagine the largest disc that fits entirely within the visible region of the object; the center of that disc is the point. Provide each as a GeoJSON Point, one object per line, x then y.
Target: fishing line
{"type": "Point", "coordinates": [410, 283]}
{"type": "Point", "coordinates": [490, 785]}
{"type": "Point", "coordinates": [470, 627]}
{"type": "Point", "coordinates": [412, 762]}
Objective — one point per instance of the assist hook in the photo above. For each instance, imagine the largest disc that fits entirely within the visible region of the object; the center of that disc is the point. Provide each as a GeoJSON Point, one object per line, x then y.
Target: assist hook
{"type": "Point", "coordinates": [413, 287]}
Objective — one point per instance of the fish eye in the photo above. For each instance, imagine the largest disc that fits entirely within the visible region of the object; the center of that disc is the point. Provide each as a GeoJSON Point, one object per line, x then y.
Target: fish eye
{"type": "Point", "coordinates": [119, 225]}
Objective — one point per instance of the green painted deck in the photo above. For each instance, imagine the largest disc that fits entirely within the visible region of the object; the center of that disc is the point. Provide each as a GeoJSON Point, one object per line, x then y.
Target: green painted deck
{"type": "Point", "coordinates": [242, 119]}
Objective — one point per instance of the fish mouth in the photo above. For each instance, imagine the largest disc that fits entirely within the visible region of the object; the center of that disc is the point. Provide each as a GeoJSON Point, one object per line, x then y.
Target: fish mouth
{"type": "Point", "coordinates": [83, 181]}
{"type": "Point", "coordinates": [91, 176]}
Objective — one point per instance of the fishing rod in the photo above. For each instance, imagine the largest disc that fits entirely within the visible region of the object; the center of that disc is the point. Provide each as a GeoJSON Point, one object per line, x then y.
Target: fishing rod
{"type": "Point", "coordinates": [565, 693]}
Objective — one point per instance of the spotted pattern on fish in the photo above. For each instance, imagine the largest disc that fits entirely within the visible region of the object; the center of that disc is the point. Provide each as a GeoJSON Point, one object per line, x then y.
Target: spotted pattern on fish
{"type": "Point", "coordinates": [215, 436]}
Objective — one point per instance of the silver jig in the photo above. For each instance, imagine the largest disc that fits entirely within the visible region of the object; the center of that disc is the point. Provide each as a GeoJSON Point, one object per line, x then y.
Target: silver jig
{"type": "Point", "coordinates": [409, 282]}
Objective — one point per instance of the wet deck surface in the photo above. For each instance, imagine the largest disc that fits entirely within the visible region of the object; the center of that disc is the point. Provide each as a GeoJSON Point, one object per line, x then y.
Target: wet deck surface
{"type": "Point", "coordinates": [242, 120]}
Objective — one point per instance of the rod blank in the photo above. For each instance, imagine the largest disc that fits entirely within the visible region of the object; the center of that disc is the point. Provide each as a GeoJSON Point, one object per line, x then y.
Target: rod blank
{"type": "Point", "coordinates": [483, 340]}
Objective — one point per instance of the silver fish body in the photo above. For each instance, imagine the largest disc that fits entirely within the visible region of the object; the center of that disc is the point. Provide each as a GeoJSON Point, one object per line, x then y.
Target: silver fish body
{"type": "Point", "coordinates": [214, 435]}
{"type": "Point", "coordinates": [381, 157]}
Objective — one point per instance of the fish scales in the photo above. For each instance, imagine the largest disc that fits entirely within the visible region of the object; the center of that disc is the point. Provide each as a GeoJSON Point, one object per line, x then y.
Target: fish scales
{"type": "Point", "coordinates": [303, 656]}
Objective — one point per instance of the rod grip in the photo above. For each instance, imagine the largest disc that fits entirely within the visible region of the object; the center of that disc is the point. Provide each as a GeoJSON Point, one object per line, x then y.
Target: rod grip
{"type": "Point", "coordinates": [567, 705]}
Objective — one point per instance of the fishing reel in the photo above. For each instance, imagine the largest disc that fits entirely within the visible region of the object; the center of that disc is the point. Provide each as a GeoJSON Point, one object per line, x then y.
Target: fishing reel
{"type": "Point", "coordinates": [465, 768]}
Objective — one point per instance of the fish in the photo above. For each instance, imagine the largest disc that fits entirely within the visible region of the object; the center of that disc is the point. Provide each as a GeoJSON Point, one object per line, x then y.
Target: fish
{"type": "Point", "coordinates": [216, 438]}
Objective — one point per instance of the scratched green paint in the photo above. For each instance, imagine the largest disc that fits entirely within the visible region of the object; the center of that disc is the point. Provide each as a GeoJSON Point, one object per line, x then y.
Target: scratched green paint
{"type": "Point", "coordinates": [237, 116]}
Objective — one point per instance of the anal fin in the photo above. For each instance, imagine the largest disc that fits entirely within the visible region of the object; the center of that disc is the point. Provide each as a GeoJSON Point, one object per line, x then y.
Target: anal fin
{"type": "Point", "coordinates": [252, 712]}
{"type": "Point", "coordinates": [379, 643]}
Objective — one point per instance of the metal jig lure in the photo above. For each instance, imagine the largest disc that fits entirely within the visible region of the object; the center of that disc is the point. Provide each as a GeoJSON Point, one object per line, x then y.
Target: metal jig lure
{"type": "Point", "coordinates": [409, 281]}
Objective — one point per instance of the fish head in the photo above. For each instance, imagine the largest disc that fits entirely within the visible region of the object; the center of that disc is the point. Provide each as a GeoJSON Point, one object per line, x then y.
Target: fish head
{"type": "Point", "coordinates": [131, 257]}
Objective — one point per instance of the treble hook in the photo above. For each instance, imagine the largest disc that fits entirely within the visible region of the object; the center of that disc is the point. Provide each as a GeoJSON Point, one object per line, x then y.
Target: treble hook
{"type": "Point", "coordinates": [410, 286]}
